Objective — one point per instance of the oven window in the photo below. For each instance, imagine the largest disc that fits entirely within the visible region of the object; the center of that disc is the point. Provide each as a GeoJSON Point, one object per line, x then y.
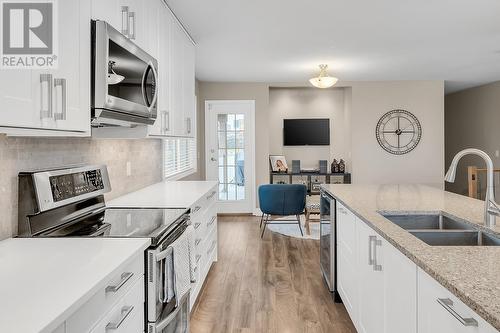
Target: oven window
{"type": "Point", "coordinates": [126, 74]}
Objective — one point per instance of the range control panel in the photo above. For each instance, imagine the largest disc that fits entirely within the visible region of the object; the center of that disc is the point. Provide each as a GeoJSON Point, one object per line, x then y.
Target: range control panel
{"type": "Point", "coordinates": [75, 184]}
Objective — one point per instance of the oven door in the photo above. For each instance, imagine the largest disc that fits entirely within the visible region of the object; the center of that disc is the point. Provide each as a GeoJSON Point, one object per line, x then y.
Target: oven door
{"type": "Point", "coordinates": [125, 76]}
{"type": "Point", "coordinates": [158, 304]}
{"type": "Point", "coordinates": [176, 321]}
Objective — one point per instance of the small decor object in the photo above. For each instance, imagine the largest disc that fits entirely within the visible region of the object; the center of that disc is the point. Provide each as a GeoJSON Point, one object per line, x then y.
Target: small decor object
{"type": "Point", "coordinates": [341, 166]}
{"type": "Point", "coordinates": [398, 132]}
{"type": "Point", "coordinates": [335, 166]}
{"type": "Point", "coordinates": [323, 166]}
{"type": "Point", "coordinates": [278, 163]}
{"type": "Point", "coordinates": [295, 166]}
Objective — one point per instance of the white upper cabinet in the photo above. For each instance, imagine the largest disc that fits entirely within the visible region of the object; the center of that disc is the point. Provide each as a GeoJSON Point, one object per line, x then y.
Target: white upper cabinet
{"type": "Point", "coordinates": [53, 102]}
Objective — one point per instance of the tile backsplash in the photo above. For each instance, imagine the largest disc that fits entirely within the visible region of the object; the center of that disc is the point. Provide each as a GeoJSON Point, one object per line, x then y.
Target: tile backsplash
{"type": "Point", "coordinates": [20, 154]}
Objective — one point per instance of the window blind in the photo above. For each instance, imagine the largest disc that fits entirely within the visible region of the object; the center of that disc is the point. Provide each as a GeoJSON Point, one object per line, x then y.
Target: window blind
{"type": "Point", "coordinates": [179, 156]}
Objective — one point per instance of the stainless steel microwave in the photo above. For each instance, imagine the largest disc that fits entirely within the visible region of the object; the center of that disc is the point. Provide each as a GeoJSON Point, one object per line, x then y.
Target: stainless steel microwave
{"type": "Point", "coordinates": [124, 80]}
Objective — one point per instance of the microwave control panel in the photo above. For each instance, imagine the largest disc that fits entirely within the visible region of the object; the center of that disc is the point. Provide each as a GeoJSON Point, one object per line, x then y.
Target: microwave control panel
{"type": "Point", "coordinates": [75, 184]}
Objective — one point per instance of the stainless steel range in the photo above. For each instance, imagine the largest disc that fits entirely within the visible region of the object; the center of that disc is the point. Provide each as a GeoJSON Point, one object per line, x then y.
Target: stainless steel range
{"type": "Point", "coordinates": [69, 202]}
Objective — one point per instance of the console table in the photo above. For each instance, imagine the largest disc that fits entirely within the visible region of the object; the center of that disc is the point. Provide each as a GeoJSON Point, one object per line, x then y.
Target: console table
{"type": "Point", "coordinates": [311, 183]}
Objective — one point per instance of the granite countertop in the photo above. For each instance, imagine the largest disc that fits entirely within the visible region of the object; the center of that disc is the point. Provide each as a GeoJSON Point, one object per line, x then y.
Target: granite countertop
{"type": "Point", "coordinates": [45, 280]}
{"type": "Point", "coordinates": [472, 273]}
{"type": "Point", "coordinates": [166, 194]}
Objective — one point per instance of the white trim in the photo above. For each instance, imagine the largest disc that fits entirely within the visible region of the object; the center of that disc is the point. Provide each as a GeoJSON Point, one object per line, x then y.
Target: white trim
{"type": "Point", "coordinates": [252, 140]}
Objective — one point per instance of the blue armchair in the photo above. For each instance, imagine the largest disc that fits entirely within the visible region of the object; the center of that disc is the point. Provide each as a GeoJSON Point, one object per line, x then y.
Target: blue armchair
{"type": "Point", "coordinates": [282, 200]}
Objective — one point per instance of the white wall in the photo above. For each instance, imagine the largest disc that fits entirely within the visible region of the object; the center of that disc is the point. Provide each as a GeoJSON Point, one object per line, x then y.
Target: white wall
{"type": "Point", "coordinates": [290, 103]}
{"type": "Point", "coordinates": [370, 163]}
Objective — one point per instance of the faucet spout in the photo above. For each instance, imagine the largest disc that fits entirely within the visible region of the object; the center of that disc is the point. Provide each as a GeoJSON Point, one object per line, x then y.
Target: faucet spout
{"type": "Point", "coordinates": [491, 209]}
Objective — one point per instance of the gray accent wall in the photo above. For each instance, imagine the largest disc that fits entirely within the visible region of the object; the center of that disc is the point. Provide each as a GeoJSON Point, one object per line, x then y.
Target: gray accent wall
{"type": "Point", "coordinates": [472, 120]}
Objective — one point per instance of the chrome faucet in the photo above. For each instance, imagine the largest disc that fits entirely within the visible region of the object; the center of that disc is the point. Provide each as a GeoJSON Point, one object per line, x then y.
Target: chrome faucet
{"type": "Point", "coordinates": [491, 210]}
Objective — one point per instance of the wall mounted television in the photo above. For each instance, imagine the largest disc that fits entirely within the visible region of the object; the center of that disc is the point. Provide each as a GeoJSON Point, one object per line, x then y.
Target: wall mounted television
{"type": "Point", "coordinates": [306, 132]}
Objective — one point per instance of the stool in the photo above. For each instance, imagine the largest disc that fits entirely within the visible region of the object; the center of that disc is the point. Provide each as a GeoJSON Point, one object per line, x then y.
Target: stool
{"type": "Point", "coordinates": [312, 207]}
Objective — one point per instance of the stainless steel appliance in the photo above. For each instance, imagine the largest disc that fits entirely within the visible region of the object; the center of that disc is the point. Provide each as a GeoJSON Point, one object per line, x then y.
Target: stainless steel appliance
{"type": "Point", "coordinates": [124, 80]}
{"type": "Point", "coordinates": [69, 202]}
{"type": "Point", "coordinates": [328, 243]}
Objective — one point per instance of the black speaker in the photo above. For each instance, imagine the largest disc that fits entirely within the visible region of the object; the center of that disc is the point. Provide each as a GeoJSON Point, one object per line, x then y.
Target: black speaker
{"type": "Point", "coordinates": [323, 166]}
{"type": "Point", "coordinates": [295, 166]}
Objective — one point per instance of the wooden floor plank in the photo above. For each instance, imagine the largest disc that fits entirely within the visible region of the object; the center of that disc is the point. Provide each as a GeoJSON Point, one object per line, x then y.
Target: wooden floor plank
{"type": "Point", "coordinates": [265, 285]}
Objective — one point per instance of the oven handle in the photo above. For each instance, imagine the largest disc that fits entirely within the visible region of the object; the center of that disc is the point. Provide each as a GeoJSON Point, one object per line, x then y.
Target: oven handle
{"type": "Point", "coordinates": [164, 323]}
{"type": "Point", "coordinates": [151, 68]}
{"type": "Point", "coordinates": [163, 254]}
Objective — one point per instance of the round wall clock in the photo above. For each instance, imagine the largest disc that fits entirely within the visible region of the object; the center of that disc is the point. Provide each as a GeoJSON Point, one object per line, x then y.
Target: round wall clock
{"type": "Point", "coordinates": [398, 132]}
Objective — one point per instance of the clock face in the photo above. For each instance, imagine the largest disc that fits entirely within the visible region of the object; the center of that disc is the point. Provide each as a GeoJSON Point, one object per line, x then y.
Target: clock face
{"type": "Point", "coordinates": [398, 132]}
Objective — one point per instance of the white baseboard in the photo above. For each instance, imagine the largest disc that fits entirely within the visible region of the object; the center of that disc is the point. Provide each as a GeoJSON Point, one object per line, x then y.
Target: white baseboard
{"type": "Point", "coordinates": [257, 212]}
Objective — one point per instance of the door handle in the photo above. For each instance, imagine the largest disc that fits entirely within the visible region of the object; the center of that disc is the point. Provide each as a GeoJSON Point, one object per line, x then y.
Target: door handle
{"type": "Point", "coordinates": [45, 96]}
{"type": "Point", "coordinates": [371, 239]}
{"type": "Point", "coordinates": [62, 114]}
{"type": "Point", "coordinates": [448, 305]}
{"type": "Point", "coordinates": [167, 121]}
{"type": "Point", "coordinates": [125, 21]}
{"type": "Point", "coordinates": [213, 159]}
{"type": "Point", "coordinates": [376, 266]}
{"type": "Point", "coordinates": [131, 27]}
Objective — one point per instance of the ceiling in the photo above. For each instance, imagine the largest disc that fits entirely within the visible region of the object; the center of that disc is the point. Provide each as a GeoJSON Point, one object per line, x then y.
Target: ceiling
{"type": "Point", "coordinates": [284, 40]}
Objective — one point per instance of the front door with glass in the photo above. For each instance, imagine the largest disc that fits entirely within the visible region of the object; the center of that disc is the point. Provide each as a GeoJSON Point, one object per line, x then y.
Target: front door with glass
{"type": "Point", "coordinates": [230, 154]}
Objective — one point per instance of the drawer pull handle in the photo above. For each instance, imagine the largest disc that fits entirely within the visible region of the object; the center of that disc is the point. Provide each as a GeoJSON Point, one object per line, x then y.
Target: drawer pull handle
{"type": "Point", "coordinates": [212, 247]}
{"type": "Point", "coordinates": [211, 195]}
{"type": "Point", "coordinates": [211, 221]}
{"type": "Point", "coordinates": [198, 257]}
{"type": "Point", "coordinates": [195, 209]}
{"type": "Point", "coordinates": [126, 310]}
{"type": "Point", "coordinates": [448, 305]}
{"type": "Point", "coordinates": [197, 225]}
{"type": "Point", "coordinates": [124, 278]}
{"type": "Point", "coordinates": [197, 241]}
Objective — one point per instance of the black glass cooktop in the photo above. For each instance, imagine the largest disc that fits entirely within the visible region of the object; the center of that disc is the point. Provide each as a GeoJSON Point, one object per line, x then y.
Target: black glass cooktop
{"type": "Point", "coordinates": [143, 222]}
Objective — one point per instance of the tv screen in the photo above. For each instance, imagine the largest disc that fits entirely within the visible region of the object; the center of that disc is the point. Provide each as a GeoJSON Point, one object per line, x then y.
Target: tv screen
{"type": "Point", "coordinates": [306, 132]}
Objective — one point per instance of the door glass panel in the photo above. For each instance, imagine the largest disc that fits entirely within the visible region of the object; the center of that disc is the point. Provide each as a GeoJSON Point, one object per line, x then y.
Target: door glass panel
{"type": "Point", "coordinates": [231, 144]}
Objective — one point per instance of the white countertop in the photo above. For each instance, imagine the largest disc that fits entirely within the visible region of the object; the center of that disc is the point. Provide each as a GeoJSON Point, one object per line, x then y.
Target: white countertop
{"type": "Point", "coordinates": [44, 280]}
{"type": "Point", "coordinates": [167, 194]}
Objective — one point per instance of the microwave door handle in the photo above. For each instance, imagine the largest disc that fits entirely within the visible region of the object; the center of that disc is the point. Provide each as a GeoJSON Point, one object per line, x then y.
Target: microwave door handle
{"type": "Point", "coordinates": [145, 98]}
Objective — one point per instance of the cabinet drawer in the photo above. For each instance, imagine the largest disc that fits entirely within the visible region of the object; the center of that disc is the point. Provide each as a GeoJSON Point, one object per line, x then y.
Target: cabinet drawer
{"type": "Point", "coordinates": [202, 204]}
{"type": "Point", "coordinates": [441, 311]}
{"type": "Point", "coordinates": [127, 316]}
{"type": "Point", "coordinates": [115, 288]}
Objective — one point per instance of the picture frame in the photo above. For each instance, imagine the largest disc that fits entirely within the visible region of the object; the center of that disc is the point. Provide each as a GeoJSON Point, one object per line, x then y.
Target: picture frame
{"type": "Point", "coordinates": [278, 163]}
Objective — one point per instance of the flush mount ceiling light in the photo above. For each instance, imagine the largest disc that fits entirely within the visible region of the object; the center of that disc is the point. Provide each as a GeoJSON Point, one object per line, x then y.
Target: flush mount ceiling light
{"type": "Point", "coordinates": [323, 80]}
{"type": "Point", "coordinates": [113, 78]}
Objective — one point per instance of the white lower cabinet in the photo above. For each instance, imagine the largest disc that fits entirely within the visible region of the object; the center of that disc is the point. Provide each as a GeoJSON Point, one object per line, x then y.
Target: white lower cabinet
{"type": "Point", "coordinates": [376, 282]}
{"type": "Point", "coordinates": [118, 306]}
{"type": "Point", "coordinates": [385, 292]}
{"type": "Point", "coordinates": [439, 311]}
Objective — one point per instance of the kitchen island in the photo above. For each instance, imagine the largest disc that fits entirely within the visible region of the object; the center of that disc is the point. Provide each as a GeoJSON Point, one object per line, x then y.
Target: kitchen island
{"type": "Point", "coordinates": [471, 273]}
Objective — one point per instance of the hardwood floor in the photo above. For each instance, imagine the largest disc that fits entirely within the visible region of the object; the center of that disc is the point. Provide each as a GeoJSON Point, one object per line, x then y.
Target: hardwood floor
{"type": "Point", "coordinates": [270, 285]}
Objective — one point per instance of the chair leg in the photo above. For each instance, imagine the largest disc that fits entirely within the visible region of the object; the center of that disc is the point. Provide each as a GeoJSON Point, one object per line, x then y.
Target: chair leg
{"type": "Point", "coordinates": [300, 227]}
{"type": "Point", "coordinates": [261, 219]}
{"type": "Point", "coordinates": [265, 225]}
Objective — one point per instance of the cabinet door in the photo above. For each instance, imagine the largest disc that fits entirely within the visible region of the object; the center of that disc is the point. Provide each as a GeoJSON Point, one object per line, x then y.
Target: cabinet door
{"type": "Point", "coordinates": [109, 11]}
{"type": "Point", "coordinates": [371, 280]}
{"type": "Point", "coordinates": [71, 90]}
{"type": "Point", "coordinates": [347, 272]}
{"type": "Point", "coordinates": [176, 79]}
{"type": "Point", "coordinates": [163, 124]}
{"type": "Point", "coordinates": [400, 288]}
{"type": "Point", "coordinates": [188, 84]}
{"type": "Point", "coordinates": [19, 107]}
{"type": "Point", "coordinates": [434, 317]}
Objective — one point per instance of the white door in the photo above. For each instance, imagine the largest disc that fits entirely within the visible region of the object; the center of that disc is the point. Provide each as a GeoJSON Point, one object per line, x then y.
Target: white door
{"type": "Point", "coordinates": [230, 153]}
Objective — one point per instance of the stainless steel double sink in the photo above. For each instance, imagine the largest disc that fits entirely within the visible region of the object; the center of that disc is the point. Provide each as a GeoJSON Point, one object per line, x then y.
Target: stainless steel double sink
{"type": "Point", "coordinates": [442, 230]}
